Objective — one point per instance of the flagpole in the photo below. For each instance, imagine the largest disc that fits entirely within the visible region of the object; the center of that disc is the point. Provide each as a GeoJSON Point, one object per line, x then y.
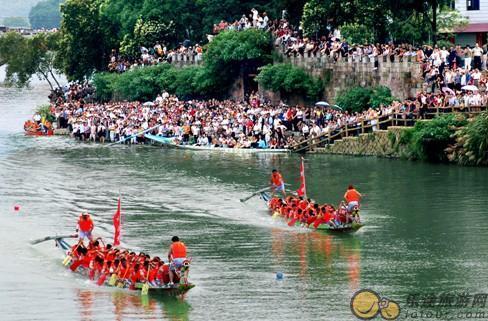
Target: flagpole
{"type": "Point", "coordinates": [304, 180]}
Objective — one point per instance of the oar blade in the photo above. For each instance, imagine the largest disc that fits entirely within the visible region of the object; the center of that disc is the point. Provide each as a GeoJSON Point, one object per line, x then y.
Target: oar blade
{"type": "Point", "coordinates": [112, 280]}
{"type": "Point", "coordinates": [145, 289]}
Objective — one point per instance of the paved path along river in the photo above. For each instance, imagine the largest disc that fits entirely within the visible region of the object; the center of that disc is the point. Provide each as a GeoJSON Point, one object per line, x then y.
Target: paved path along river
{"type": "Point", "coordinates": [427, 228]}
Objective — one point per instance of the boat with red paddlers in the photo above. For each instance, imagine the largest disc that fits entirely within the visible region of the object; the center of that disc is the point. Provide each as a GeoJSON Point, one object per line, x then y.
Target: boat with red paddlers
{"type": "Point", "coordinates": [114, 266]}
{"type": "Point", "coordinates": [298, 210]}
{"type": "Point", "coordinates": [327, 218]}
{"type": "Point", "coordinates": [152, 283]}
{"type": "Point", "coordinates": [31, 128]}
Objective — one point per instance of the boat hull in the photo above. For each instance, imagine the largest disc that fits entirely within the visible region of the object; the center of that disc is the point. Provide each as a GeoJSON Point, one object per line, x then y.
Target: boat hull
{"type": "Point", "coordinates": [170, 141]}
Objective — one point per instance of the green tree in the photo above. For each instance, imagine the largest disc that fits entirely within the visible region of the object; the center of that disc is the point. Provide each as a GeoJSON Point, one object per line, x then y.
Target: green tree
{"type": "Point", "coordinates": [426, 13]}
{"type": "Point", "coordinates": [289, 80]}
{"type": "Point", "coordinates": [360, 98]}
{"type": "Point", "coordinates": [83, 49]}
{"type": "Point", "coordinates": [319, 16]}
{"type": "Point", "coordinates": [46, 14]}
{"type": "Point", "coordinates": [355, 99]}
{"type": "Point", "coordinates": [357, 33]}
{"type": "Point", "coordinates": [146, 33]}
{"type": "Point", "coordinates": [25, 57]}
{"type": "Point", "coordinates": [230, 51]}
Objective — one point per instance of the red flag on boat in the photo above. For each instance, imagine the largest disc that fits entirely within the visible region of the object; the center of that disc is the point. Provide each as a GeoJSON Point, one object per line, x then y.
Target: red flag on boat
{"type": "Point", "coordinates": [302, 190]}
{"type": "Point", "coordinates": [116, 220]}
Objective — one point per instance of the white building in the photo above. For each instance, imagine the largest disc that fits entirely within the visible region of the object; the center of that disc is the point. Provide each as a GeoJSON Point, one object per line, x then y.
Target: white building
{"type": "Point", "coordinates": [477, 28]}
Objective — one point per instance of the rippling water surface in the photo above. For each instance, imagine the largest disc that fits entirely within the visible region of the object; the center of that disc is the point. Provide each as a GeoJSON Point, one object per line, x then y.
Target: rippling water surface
{"type": "Point", "coordinates": [427, 228]}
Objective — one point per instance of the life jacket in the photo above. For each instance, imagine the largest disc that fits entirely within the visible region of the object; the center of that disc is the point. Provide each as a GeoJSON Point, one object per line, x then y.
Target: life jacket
{"type": "Point", "coordinates": [178, 250]}
{"type": "Point", "coordinates": [110, 256]}
{"type": "Point", "coordinates": [352, 196]}
{"type": "Point", "coordinates": [303, 205]}
{"type": "Point", "coordinates": [163, 273]}
{"type": "Point", "coordinates": [85, 225]}
{"type": "Point", "coordinates": [153, 272]}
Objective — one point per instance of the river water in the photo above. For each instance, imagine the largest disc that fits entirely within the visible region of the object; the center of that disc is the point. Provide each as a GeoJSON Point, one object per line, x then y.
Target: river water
{"type": "Point", "coordinates": [426, 232]}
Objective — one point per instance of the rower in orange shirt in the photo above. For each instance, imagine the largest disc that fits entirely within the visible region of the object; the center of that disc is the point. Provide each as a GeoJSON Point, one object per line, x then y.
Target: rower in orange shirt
{"type": "Point", "coordinates": [85, 226]}
{"type": "Point", "coordinates": [277, 183]}
{"type": "Point", "coordinates": [352, 197]}
{"type": "Point", "coordinates": [177, 258]}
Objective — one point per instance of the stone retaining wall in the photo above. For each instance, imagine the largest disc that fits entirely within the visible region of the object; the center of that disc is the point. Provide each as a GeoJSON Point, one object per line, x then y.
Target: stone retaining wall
{"type": "Point", "coordinates": [403, 77]}
{"type": "Point", "coordinates": [381, 143]}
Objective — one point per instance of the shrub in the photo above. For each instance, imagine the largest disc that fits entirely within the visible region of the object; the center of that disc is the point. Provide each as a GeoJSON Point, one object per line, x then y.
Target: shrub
{"type": "Point", "coordinates": [359, 98]}
{"type": "Point", "coordinates": [472, 141]}
{"type": "Point", "coordinates": [381, 96]}
{"type": "Point", "coordinates": [45, 112]}
{"type": "Point", "coordinates": [355, 99]}
{"type": "Point", "coordinates": [427, 140]}
{"type": "Point", "coordinates": [289, 80]}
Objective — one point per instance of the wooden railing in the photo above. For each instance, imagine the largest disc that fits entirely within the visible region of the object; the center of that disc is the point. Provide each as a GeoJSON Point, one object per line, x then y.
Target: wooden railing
{"type": "Point", "coordinates": [383, 122]}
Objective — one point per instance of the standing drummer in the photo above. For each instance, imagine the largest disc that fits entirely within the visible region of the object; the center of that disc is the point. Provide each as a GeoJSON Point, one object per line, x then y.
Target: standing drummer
{"type": "Point", "coordinates": [277, 183]}
{"type": "Point", "coordinates": [85, 226]}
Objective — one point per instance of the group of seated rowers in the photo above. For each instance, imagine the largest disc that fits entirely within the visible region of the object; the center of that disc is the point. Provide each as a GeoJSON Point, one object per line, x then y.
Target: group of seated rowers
{"type": "Point", "coordinates": [311, 214]}
{"type": "Point", "coordinates": [102, 260]}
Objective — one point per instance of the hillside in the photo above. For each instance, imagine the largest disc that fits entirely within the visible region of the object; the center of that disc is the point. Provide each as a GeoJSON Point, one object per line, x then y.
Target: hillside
{"type": "Point", "coordinates": [16, 8]}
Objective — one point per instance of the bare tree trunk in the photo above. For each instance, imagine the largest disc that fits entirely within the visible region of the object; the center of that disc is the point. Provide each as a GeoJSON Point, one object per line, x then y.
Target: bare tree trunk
{"type": "Point", "coordinates": [52, 75]}
{"type": "Point", "coordinates": [435, 5]}
{"type": "Point", "coordinates": [46, 77]}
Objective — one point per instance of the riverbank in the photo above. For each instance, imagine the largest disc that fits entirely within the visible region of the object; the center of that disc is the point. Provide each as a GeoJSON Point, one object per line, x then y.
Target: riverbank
{"type": "Point", "coordinates": [380, 143]}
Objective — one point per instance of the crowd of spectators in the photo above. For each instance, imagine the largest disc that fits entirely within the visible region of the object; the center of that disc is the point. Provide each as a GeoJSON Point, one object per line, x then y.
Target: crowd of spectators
{"type": "Point", "coordinates": [455, 79]}
{"type": "Point", "coordinates": [253, 123]}
{"type": "Point", "coordinates": [72, 92]}
{"type": "Point", "coordinates": [254, 20]}
{"type": "Point", "coordinates": [153, 56]}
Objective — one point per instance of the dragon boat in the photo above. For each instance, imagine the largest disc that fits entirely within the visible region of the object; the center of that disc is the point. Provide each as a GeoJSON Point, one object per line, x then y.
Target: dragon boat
{"type": "Point", "coordinates": [349, 227]}
{"type": "Point", "coordinates": [168, 290]}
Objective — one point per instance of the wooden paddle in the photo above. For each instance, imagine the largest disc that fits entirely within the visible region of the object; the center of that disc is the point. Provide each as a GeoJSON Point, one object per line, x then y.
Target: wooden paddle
{"type": "Point", "coordinates": [113, 277]}
{"type": "Point", "coordinates": [102, 279]}
{"type": "Point", "coordinates": [69, 257]}
{"type": "Point", "coordinates": [48, 238]}
{"type": "Point", "coordinates": [145, 287]}
{"type": "Point", "coordinates": [121, 283]}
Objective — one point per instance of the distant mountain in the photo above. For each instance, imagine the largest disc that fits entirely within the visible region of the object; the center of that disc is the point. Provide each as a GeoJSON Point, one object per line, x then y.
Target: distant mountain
{"type": "Point", "coordinates": [18, 8]}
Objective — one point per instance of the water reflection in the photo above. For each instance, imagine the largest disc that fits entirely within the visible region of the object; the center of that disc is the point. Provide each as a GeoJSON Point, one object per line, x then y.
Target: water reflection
{"type": "Point", "coordinates": [85, 299]}
{"type": "Point", "coordinates": [132, 304]}
{"type": "Point", "coordinates": [320, 257]}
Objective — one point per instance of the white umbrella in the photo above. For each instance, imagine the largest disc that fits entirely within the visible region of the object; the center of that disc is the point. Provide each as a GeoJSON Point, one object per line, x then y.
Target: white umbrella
{"type": "Point", "coordinates": [322, 104]}
{"type": "Point", "coordinates": [148, 103]}
{"type": "Point", "coordinates": [470, 88]}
